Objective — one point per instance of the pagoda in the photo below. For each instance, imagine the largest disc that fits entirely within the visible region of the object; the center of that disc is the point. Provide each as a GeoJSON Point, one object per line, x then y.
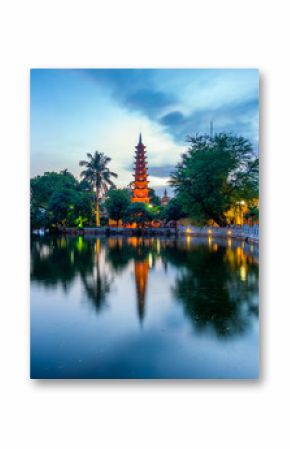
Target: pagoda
{"type": "Point", "coordinates": [140, 191]}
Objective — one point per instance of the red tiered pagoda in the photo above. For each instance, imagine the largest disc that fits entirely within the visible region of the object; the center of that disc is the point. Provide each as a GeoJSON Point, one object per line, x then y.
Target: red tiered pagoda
{"type": "Point", "coordinates": [140, 192]}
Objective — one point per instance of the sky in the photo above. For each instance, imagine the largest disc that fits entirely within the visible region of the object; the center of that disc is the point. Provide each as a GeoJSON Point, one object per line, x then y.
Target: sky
{"type": "Point", "coordinates": [76, 111]}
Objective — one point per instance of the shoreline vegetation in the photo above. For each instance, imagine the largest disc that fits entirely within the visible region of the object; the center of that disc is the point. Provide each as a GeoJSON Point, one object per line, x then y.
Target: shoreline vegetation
{"type": "Point", "coordinates": [215, 185]}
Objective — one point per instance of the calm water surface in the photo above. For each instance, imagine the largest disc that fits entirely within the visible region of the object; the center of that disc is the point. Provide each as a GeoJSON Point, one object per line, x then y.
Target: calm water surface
{"type": "Point", "coordinates": [143, 308]}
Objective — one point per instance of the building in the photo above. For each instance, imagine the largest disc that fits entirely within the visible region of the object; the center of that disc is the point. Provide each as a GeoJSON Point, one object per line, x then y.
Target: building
{"type": "Point", "coordinates": [140, 183]}
{"type": "Point", "coordinates": [165, 199]}
{"type": "Point", "coordinates": [138, 188]}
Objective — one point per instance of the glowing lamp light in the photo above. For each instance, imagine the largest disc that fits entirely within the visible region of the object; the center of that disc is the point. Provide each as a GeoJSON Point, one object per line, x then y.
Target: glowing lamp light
{"type": "Point", "coordinates": [150, 205]}
{"type": "Point", "coordinates": [209, 231]}
{"type": "Point", "coordinates": [150, 260]}
{"type": "Point", "coordinates": [229, 232]}
{"type": "Point", "coordinates": [188, 229]}
{"type": "Point", "coordinates": [243, 273]}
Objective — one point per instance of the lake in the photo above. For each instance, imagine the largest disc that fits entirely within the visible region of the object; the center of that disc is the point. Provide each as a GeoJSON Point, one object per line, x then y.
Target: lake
{"type": "Point", "coordinates": [150, 308]}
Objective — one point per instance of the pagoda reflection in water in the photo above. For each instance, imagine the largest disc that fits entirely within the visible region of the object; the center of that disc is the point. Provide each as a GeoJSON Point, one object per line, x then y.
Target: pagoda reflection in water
{"type": "Point", "coordinates": [120, 251]}
{"type": "Point", "coordinates": [141, 277]}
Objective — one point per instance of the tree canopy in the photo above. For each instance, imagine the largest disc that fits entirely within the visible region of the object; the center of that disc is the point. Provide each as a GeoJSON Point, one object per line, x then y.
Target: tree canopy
{"type": "Point", "coordinates": [154, 199]}
{"type": "Point", "coordinates": [42, 187]}
{"type": "Point", "coordinates": [172, 211]}
{"type": "Point", "coordinates": [138, 213]}
{"type": "Point", "coordinates": [213, 175]}
{"type": "Point", "coordinates": [59, 199]}
{"type": "Point", "coordinates": [117, 203]}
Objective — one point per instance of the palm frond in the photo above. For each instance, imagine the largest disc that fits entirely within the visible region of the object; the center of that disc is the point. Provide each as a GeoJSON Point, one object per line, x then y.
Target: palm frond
{"type": "Point", "coordinates": [83, 163]}
{"type": "Point", "coordinates": [96, 171]}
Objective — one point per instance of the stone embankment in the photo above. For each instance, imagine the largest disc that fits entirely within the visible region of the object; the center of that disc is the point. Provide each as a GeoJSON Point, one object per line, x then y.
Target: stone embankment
{"type": "Point", "coordinates": [244, 233]}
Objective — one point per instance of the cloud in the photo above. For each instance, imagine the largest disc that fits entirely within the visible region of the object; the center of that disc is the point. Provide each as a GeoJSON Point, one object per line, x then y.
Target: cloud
{"type": "Point", "coordinates": [174, 119]}
{"type": "Point", "coordinates": [135, 89]}
{"type": "Point", "coordinates": [228, 97]}
{"type": "Point", "coordinates": [235, 117]}
{"type": "Point", "coordinates": [151, 102]}
{"type": "Point", "coordinates": [162, 171]}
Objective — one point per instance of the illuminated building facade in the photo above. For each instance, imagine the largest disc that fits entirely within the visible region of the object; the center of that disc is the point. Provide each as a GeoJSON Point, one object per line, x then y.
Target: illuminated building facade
{"type": "Point", "coordinates": [140, 191]}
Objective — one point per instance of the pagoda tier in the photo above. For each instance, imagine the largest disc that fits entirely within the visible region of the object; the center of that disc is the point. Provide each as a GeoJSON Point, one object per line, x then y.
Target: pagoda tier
{"type": "Point", "coordinates": [140, 192]}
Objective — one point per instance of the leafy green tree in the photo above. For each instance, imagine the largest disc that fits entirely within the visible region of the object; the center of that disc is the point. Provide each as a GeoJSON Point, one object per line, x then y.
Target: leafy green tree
{"type": "Point", "coordinates": [252, 214]}
{"type": "Point", "coordinates": [39, 217]}
{"type": "Point", "coordinates": [83, 210]}
{"type": "Point", "coordinates": [117, 203]}
{"type": "Point", "coordinates": [61, 206]}
{"type": "Point", "coordinates": [154, 199]}
{"type": "Point", "coordinates": [98, 175]}
{"type": "Point", "coordinates": [43, 187]}
{"type": "Point", "coordinates": [69, 207]}
{"type": "Point", "coordinates": [138, 213]}
{"type": "Point", "coordinates": [214, 174]}
{"type": "Point", "coordinates": [172, 211]}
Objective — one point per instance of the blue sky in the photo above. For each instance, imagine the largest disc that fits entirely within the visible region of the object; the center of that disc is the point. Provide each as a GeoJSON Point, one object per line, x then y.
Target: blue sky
{"type": "Point", "coordinates": [82, 110]}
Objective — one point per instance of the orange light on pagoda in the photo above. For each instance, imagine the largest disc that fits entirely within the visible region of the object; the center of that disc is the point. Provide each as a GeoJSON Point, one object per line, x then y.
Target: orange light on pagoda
{"type": "Point", "coordinates": [140, 191]}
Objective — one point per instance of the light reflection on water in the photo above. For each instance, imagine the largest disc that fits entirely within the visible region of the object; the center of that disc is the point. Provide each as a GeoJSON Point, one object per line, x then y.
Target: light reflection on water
{"type": "Point", "coordinates": [137, 307]}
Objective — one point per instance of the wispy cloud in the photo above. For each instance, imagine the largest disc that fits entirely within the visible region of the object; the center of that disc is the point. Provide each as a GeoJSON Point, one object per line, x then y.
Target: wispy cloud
{"type": "Point", "coordinates": [230, 99]}
{"type": "Point", "coordinates": [235, 117]}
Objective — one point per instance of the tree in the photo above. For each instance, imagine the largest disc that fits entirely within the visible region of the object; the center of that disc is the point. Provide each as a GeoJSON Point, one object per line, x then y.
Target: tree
{"type": "Point", "coordinates": [99, 177]}
{"type": "Point", "coordinates": [83, 208]}
{"type": "Point", "coordinates": [43, 187]}
{"type": "Point", "coordinates": [154, 199]}
{"type": "Point", "coordinates": [61, 206]}
{"type": "Point", "coordinates": [213, 175]}
{"type": "Point", "coordinates": [117, 203]}
{"type": "Point", "coordinates": [70, 207]}
{"type": "Point", "coordinates": [39, 217]}
{"type": "Point", "coordinates": [138, 213]}
{"type": "Point", "coordinates": [252, 214]}
{"type": "Point", "coordinates": [172, 211]}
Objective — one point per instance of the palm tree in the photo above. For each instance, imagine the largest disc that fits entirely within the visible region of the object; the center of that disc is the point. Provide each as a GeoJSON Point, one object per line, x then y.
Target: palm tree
{"type": "Point", "coordinates": [99, 177]}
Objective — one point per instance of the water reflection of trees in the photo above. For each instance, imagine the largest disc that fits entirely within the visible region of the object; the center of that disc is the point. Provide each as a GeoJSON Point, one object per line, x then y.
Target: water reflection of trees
{"type": "Point", "coordinates": [215, 283]}
{"type": "Point", "coordinates": [51, 262]}
{"type": "Point", "coordinates": [216, 287]}
{"type": "Point", "coordinates": [58, 261]}
{"type": "Point", "coordinates": [96, 282]}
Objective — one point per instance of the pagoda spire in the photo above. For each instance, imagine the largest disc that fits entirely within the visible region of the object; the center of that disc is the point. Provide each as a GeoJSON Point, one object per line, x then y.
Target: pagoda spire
{"type": "Point", "coordinates": [140, 192]}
